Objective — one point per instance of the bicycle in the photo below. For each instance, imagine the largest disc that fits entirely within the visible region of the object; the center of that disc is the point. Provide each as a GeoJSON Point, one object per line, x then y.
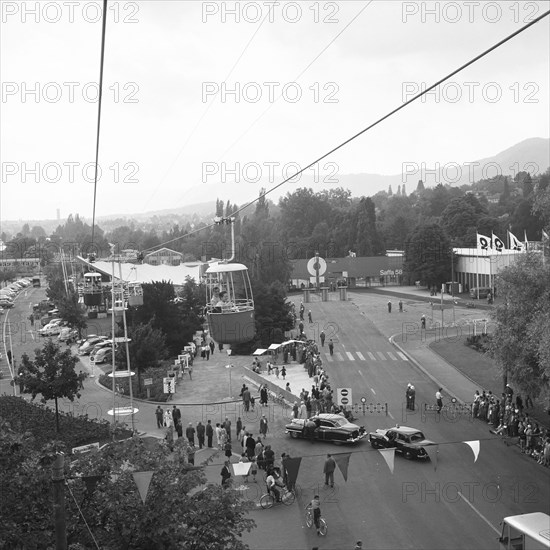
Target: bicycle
{"type": "Point", "coordinates": [323, 527]}
{"type": "Point", "coordinates": [268, 500]}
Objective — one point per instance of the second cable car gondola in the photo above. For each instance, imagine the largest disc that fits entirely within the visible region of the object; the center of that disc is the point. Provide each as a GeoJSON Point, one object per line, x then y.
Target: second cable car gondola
{"type": "Point", "coordinates": [229, 299]}
{"type": "Point", "coordinates": [230, 304]}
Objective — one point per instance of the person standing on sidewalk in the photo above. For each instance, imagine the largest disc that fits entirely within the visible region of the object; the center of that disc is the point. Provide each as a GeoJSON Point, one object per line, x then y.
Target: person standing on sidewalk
{"type": "Point", "coordinates": [423, 322]}
{"type": "Point", "coordinates": [200, 434]}
{"type": "Point", "coordinates": [190, 433]}
{"type": "Point", "coordinates": [159, 414]}
{"type": "Point", "coordinates": [212, 347]}
{"type": "Point", "coordinates": [209, 433]}
{"type": "Point", "coordinates": [226, 474]}
{"type": "Point", "coordinates": [331, 347]}
{"type": "Point", "coordinates": [263, 426]}
{"type": "Point", "coordinates": [227, 426]}
{"type": "Point", "coordinates": [413, 396]}
{"type": "Point", "coordinates": [309, 317]}
{"type": "Point", "coordinates": [400, 306]}
{"type": "Point", "coordinates": [439, 399]}
{"type": "Point", "coordinates": [389, 306]}
{"type": "Point", "coordinates": [322, 337]}
{"type": "Point", "coordinates": [328, 470]}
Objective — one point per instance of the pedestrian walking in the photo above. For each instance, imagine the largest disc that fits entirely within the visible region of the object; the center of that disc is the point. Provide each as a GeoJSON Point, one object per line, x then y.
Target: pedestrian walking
{"type": "Point", "coordinates": [331, 347]}
{"type": "Point", "coordinates": [322, 337]}
{"type": "Point", "coordinates": [295, 410]}
{"type": "Point", "coordinates": [263, 425]}
{"type": "Point", "coordinates": [283, 372]}
{"type": "Point", "coordinates": [176, 415]}
{"type": "Point", "coordinates": [309, 317]}
{"type": "Point", "coordinates": [287, 387]}
{"type": "Point", "coordinates": [159, 414]}
{"type": "Point", "coordinates": [408, 396]}
{"type": "Point", "coordinates": [191, 454]}
{"type": "Point", "coordinates": [190, 433]}
{"type": "Point", "coordinates": [212, 347]}
{"type": "Point", "coordinates": [263, 396]}
{"type": "Point", "coordinates": [200, 434]}
{"type": "Point", "coordinates": [227, 427]}
{"type": "Point", "coordinates": [250, 446]}
{"type": "Point", "coordinates": [328, 470]}
{"type": "Point", "coordinates": [228, 449]}
{"type": "Point", "coordinates": [400, 306]}
{"type": "Point", "coordinates": [226, 474]}
{"type": "Point", "coordinates": [168, 420]}
{"type": "Point", "coordinates": [413, 396]}
{"type": "Point", "coordinates": [439, 399]}
{"type": "Point", "coordinates": [179, 428]}
{"type": "Point", "coordinates": [190, 371]}
{"type": "Point", "coordinates": [246, 399]}
{"type": "Point", "coordinates": [169, 437]}
{"type": "Point", "coordinates": [423, 322]}
{"type": "Point", "coordinates": [209, 433]}
{"type": "Point", "coordinates": [276, 371]}
{"type": "Point", "coordinates": [389, 306]}
{"type": "Point", "coordinates": [207, 351]}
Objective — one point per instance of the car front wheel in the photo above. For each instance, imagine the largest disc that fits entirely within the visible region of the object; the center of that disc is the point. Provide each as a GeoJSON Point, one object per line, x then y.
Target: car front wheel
{"type": "Point", "coordinates": [294, 435]}
{"type": "Point", "coordinates": [374, 443]}
{"type": "Point", "coordinates": [408, 455]}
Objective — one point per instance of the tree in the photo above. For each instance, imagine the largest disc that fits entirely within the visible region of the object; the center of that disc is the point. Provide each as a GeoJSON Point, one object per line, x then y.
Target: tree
{"type": "Point", "coordinates": [520, 342]}
{"type": "Point", "coordinates": [180, 511]}
{"type": "Point", "coordinates": [428, 255]}
{"type": "Point", "coordinates": [420, 187]}
{"type": "Point", "coordinates": [51, 374]}
{"type": "Point", "coordinates": [72, 312]}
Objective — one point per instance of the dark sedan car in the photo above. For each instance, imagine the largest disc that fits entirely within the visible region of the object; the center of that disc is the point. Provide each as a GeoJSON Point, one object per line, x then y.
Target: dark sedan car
{"type": "Point", "coordinates": [409, 442]}
{"type": "Point", "coordinates": [326, 427]}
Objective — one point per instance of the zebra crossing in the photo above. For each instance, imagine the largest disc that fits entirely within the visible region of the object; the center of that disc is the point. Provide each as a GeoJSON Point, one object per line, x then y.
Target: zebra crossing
{"type": "Point", "coordinates": [371, 356]}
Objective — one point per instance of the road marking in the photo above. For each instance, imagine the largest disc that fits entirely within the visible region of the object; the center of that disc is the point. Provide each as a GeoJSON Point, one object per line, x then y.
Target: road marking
{"type": "Point", "coordinates": [403, 356]}
{"type": "Point", "coordinates": [392, 356]}
{"type": "Point", "coordinates": [360, 355]}
{"type": "Point", "coordinates": [339, 356]}
{"type": "Point", "coordinates": [381, 355]}
{"type": "Point", "coordinates": [478, 513]}
{"type": "Point", "coordinates": [360, 372]}
{"type": "Point", "coordinates": [350, 355]}
{"type": "Point", "coordinates": [371, 355]}
{"type": "Point", "coordinates": [329, 358]}
{"type": "Point", "coordinates": [373, 391]}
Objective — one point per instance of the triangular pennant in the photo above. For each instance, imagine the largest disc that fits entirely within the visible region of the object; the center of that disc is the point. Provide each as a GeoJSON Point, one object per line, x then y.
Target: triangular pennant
{"type": "Point", "coordinates": [433, 452]}
{"type": "Point", "coordinates": [143, 480]}
{"type": "Point", "coordinates": [474, 445]}
{"type": "Point", "coordinates": [292, 466]}
{"type": "Point", "coordinates": [343, 462]}
{"type": "Point", "coordinates": [515, 243]}
{"type": "Point", "coordinates": [389, 456]}
{"type": "Point", "coordinates": [91, 482]}
{"type": "Point", "coordinates": [241, 468]}
{"type": "Point", "coordinates": [114, 477]}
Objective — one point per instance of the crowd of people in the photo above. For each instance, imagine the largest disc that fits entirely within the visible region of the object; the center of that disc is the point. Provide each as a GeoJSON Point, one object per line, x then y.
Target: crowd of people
{"type": "Point", "coordinates": [508, 417]}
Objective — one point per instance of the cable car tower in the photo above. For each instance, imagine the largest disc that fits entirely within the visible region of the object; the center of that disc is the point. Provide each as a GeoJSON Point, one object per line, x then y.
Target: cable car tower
{"type": "Point", "coordinates": [229, 299]}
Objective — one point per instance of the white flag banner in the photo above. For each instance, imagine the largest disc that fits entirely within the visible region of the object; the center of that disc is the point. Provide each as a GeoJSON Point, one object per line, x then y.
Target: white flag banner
{"type": "Point", "coordinates": [498, 244]}
{"type": "Point", "coordinates": [483, 242]}
{"type": "Point", "coordinates": [545, 236]}
{"type": "Point", "coordinates": [515, 243]}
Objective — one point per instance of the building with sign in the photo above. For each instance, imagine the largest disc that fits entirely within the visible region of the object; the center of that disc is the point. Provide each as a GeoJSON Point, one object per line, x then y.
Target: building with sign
{"type": "Point", "coordinates": [352, 270]}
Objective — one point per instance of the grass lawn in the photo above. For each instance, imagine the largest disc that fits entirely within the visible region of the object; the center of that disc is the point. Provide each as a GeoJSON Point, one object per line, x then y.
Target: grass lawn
{"type": "Point", "coordinates": [483, 370]}
{"type": "Point", "coordinates": [479, 367]}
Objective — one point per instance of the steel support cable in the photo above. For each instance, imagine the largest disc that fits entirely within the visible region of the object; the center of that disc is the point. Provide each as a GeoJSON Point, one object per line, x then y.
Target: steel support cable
{"type": "Point", "coordinates": [355, 136]}
{"type": "Point", "coordinates": [101, 64]}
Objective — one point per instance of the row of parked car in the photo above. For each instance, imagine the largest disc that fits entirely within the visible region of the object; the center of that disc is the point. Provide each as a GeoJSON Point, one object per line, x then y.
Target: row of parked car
{"type": "Point", "coordinates": [99, 348]}
{"type": "Point", "coordinates": [8, 293]}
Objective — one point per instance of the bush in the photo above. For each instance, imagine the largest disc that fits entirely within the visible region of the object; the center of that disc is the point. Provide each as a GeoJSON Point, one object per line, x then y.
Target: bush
{"type": "Point", "coordinates": [479, 342]}
{"type": "Point", "coordinates": [39, 420]}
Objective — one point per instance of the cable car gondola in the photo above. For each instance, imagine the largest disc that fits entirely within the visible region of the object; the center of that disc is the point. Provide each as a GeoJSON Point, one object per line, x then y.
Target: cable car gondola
{"type": "Point", "coordinates": [92, 291]}
{"type": "Point", "coordinates": [229, 299]}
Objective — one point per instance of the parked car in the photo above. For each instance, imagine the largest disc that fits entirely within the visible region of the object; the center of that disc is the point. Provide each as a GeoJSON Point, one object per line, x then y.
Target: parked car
{"type": "Point", "coordinates": [5, 304]}
{"type": "Point", "coordinates": [102, 355]}
{"type": "Point", "coordinates": [483, 292]}
{"type": "Point", "coordinates": [52, 329]}
{"type": "Point", "coordinates": [409, 442]}
{"type": "Point", "coordinates": [329, 427]}
{"type": "Point", "coordinates": [89, 344]}
{"type": "Point", "coordinates": [67, 334]}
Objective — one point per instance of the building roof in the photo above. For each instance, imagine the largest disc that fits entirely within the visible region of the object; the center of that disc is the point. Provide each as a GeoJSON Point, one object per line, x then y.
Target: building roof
{"type": "Point", "coordinates": [146, 273]}
{"type": "Point", "coordinates": [366, 266]}
{"type": "Point", "coordinates": [164, 251]}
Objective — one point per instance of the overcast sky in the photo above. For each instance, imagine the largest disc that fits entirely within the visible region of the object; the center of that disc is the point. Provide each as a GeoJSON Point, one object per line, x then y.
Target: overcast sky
{"type": "Point", "coordinates": [169, 122]}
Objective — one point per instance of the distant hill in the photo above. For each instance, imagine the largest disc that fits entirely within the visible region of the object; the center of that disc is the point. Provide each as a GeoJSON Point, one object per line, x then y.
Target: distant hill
{"type": "Point", "coordinates": [531, 155]}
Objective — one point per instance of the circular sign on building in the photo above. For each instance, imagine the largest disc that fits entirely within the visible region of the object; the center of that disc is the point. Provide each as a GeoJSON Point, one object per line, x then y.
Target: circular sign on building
{"type": "Point", "coordinates": [315, 264]}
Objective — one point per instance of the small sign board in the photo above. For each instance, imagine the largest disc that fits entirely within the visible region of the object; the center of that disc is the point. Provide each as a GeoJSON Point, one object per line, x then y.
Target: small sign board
{"type": "Point", "coordinates": [343, 397]}
{"type": "Point", "coordinates": [147, 381]}
{"type": "Point", "coordinates": [169, 385]}
{"type": "Point", "coordinates": [86, 448]}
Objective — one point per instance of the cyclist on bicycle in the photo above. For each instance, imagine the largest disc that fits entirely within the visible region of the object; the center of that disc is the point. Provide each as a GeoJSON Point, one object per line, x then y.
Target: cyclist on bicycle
{"type": "Point", "coordinates": [316, 509]}
{"type": "Point", "coordinates": [273, 482]}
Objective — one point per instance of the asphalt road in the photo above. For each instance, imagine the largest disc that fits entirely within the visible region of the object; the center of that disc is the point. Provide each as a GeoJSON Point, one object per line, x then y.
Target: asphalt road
{"type": "Point", "coordinates": [450, 503]}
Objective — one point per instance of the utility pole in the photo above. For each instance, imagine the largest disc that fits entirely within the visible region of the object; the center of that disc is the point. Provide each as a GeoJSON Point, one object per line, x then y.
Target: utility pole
{"type": "Point", "coordinates": [58, 478]}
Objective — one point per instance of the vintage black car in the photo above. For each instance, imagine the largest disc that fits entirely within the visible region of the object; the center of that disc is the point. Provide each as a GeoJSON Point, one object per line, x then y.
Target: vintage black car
{"type": "Point", "coordinates": [410, 442]}
{"type": "Point", "coordinates": [326, 427]}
